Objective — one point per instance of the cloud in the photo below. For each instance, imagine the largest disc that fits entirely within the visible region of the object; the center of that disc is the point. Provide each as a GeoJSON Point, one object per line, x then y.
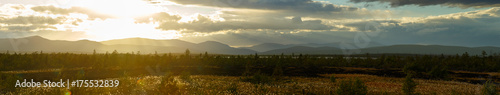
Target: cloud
{"type": "Point", "coordinates": [29, 23]}
{"type": "Point", "coordinates": [475, 28]}
{"type": "Point", "coordinates": [475, 21]}
{"type": "Point", "coordinates": [253, 37]}
{"type": "Point", "coordinates": [296, 5]}
{"type": "Point", "coordinates": [283, 8]}
{"type": "Point", "coordinates": [206, 24]}
{"type": "Point", "coordinates": [27, 28]}
{"type": "Point", "coordinates": [158, 17]}
{"type": "Point", "coordinates": [32, 20]}
{"type": "Point", "coordinates": [358, 14]}
{"type": "Point", "coordinates": [66, 11]}
{"type": "Point", "coordinates": [20, 19]}
{"type": "Point", "coordinates": [452, 3]}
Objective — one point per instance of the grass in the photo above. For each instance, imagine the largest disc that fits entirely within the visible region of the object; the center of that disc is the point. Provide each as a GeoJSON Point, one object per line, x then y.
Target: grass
{"type": "Point", "coordinates": [208, 84]}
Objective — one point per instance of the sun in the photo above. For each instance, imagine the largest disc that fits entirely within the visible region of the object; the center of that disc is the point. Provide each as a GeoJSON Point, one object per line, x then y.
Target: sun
{"type": "Point", "coordinates": [109, 29]}
{"type": "Point", "coordinates": [122, 24]}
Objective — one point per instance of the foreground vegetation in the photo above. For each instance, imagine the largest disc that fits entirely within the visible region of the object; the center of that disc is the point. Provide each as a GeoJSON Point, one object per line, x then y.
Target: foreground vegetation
{"type": "Point", "coordinates": [256, 74]}
{"type": "Point", "coordinates": [207, 84]}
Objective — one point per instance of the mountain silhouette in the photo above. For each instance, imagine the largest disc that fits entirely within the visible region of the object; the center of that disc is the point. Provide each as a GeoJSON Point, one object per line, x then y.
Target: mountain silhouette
{"type": "Point", "coordinates": [305, 50]}
{"type": "Point", "coordinates": [208, 46]}
{"type": "Point", "coordinates": [146, 46]}
{"type": "Point", "coordinates": [273, 46]}
{"type": "Point", "coordinates": [394, 49]}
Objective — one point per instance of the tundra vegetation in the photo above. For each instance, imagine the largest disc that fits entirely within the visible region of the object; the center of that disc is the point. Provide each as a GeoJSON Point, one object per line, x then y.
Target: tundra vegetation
{"type": "Point", "coordinates": [255, 74]}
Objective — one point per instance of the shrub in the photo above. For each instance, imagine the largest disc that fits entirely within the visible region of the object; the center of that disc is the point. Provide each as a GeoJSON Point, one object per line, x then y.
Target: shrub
{"type": "Point", "coordinates": [278, 71]}
{"type": "Point", "coordinates": [412, 68]}
{"type": "Point", "coordinates": [332, 78]}
{"type": "Point", "coordinates": [258, 78]}
{"type": "Point", "coordinates": [489, 88]}
{"type": "Point", "coordinates": [409, 85]}
{"type": "Point", "coordinates": [439, 72]}
{"type": "Point", "coordinates": [8, 82]}
{"type": "Point", "coordinates": [168, 85]}
{"type": "Point", "coordinates": [350, 87]}
{"type": "Point", "coordinates": [186, 76]}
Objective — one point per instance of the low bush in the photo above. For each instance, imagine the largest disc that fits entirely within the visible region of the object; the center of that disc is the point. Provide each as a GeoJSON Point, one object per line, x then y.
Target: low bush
{"type": "Point", "coordinates": [258, 78]}
{"type": "Point", "coordinates": [489, 88]}
{"type": "Point", "coordinates": [332, 78]}
{"type": "Point", "coordinates": [409, 85]}
{"type": "Point", "coordinates": [352, 87]}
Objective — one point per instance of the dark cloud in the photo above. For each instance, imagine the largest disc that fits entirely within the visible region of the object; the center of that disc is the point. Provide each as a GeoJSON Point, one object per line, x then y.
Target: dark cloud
{"type": "Point", "coordinates": [452, 3]}
{"type": "Point", "coordinates": [205, 24]}
{"type": "Point", "coordinates": [472, 29]}
{"type": "Point", "coordinates": [55, 10]}
{"type": "Point", "coordinates": [476, 28]}
{"type": "Point", "coordinates": [253, 37]}
{"type": "Point", "coordinates": [296, 5]}
{"type": "Point", "coordinates": [284, 8]}
{"type": "Point", "coordinates": [358, 14]}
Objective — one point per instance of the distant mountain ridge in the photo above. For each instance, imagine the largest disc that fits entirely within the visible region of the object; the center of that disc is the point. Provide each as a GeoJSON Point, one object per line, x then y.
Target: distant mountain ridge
{"type": "Point", "coordinates": [394, 49]}
{"type": "Point", "coordinates": [273, 46]}
{"type": "Point", "coordinates": [145, 46]}
{"type": "Point", "coordinates": [208, 46]}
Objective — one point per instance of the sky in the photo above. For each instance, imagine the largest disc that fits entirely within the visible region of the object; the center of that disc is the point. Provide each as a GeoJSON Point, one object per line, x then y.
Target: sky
{"type": "Point", "coordinates": [241, 23]}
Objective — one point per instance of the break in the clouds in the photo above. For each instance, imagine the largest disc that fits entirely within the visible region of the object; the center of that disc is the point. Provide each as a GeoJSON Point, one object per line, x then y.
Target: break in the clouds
{"type": "Point", "coordinates": [452, 3]}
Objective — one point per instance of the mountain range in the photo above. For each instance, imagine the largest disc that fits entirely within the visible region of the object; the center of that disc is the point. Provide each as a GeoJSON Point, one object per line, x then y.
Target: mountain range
{"type": "Point", "coordinates": [146, 46]}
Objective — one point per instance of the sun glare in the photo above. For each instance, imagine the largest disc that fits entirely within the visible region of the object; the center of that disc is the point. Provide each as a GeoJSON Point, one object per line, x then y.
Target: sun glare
{"type": "Point", "coordinates": [120, 8]}
{"type": "Point", "coordinates": [122, 25]}
{"type": "Point", "coordinates": [102, 30]}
